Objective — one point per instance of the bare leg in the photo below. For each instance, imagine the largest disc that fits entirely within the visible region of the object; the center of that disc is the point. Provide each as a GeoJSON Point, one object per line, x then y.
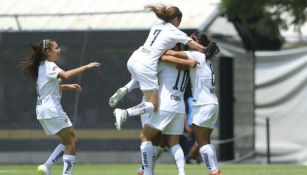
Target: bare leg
{"type": "Point", "coordinates": [70, 141]}
{"type": "Point", "coordinates": [206, 149]}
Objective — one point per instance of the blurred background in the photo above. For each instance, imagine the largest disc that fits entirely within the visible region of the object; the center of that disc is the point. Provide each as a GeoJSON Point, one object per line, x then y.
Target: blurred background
{"type": "Point", "coordinates": [261, 75]}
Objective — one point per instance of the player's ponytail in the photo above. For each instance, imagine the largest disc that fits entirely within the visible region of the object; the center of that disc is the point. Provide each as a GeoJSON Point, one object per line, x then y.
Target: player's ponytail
{"type": "Point", "coordinates": [211, 47]}
{"type": "Point", "coordinates": [29, 67]}
{"type": "Point", "coordinates": [165, 13]}
{"type": "Point", "coordinates": [212, 50]}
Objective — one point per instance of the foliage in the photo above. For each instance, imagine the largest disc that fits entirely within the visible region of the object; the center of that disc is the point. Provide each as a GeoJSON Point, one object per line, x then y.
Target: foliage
{"type": "Point", "coordinates": [264, 18]}
{"type": "Point", "coordinates": [267, 9]}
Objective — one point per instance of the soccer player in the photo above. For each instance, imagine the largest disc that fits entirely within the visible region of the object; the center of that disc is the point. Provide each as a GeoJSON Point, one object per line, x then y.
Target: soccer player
{"type": "Point", "coordinates": [169, 118]}
{"type": "Point", "coordinates": [205, 103]}
{"type": "Point", "coordinates": [41, 67]}
{"type": "Point", "coordinates": [143, 63]}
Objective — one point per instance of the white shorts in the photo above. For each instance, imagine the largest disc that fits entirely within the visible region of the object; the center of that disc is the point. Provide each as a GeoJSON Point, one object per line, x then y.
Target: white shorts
{"type": "Point", "coordinates": [169, 123]}
{"type": "Point", "coordinates": [54, 125]}
{"type": "Point", "coordinates": [145, 118]}
{"type": "Point", "coordinates": [147, 77]}
{"type": "Point", "coordinates": [205, 115]}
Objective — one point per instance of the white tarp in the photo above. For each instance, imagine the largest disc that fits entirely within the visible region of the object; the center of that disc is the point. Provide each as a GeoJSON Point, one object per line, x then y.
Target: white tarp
{"type": "Point", "coordinates": [281, 95]}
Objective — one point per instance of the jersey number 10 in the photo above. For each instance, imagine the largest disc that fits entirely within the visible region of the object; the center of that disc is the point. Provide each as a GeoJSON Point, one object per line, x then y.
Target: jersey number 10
{"type": "Point", "coordinates": [184, 80]}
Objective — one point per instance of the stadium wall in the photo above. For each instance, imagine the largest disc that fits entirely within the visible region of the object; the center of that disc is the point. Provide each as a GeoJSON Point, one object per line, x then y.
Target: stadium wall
{"type": "Point", "coordinates": [92, 118]}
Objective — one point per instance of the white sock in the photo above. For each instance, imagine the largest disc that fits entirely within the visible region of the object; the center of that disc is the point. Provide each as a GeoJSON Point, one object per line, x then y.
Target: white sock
{"type": "Point", "coordinates": [214, 157]}
{"type": "Point", "coordinates": [178, 155]}
{"type": "Point", "coordinates": [68, 161]}
{"type": "Point", "coordinates": [144, 107]}
{"type": "Point", "coordinates": [132, 84]}
{"type": "Point", "coordinates": [55, 155]}
{"type": "Point", "coordinates": [147, 152]}
{"type": "Point", "coordinates": [208, 155]}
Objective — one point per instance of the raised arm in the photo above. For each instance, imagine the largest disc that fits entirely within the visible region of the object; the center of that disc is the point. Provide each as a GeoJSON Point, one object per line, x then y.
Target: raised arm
{"type": "Point", "coordinates": [76, 71]}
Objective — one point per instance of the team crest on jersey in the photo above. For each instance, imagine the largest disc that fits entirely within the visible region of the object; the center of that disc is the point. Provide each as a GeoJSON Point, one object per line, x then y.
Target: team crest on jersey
{"type": "Point", "coordinates": [54, 68]}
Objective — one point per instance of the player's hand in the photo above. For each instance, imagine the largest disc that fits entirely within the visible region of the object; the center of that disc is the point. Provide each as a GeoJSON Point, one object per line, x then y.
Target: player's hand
{"type": "Point", "coordinates": [169, 52]}
{"type": "Point", "coordinates": [195, 64]}
{"type": "Point", "coordinates": [93, 64]}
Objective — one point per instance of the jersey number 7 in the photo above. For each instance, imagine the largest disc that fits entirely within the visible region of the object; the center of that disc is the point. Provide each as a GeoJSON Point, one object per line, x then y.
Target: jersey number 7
{"type": "Point", "coordinates": [156, 33]}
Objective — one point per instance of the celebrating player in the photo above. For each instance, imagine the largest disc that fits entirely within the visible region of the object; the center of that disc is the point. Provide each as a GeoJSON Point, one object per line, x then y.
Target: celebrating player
{"type": "Point", "coordinates": [143, 63]}
{"type": "Point", "coordinates": [41, 67]}
{"type": "Point", "coordinates": [205, 103]}
{"type": "Point", "coordinates": [169, 118]}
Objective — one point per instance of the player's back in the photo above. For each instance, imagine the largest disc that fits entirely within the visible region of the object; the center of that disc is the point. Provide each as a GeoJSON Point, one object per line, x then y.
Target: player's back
{"type": "Point", "coordinates": [202, 79]}
{"type": "Point", "coordinates": [172, 83]}
{"type": "Point", "coordinates": [161, 37]}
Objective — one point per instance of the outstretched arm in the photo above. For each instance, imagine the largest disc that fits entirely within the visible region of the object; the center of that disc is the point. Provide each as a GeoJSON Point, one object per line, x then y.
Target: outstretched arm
{"type": "Point", "coordinates": [76, 71]}
{"type": "Point", "coordinates": [178, 61]}
{"type": "Point", "coordinates": [196, 46]}
{"type": "Point", "coordinates": [178, 54]}
{"type": "Point", "coordinates": [70, 87]}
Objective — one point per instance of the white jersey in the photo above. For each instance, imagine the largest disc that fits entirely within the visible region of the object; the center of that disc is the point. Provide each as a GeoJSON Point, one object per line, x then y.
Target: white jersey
{"type": "Point", "coordinates": [172, 86]}
{"type": "Point", "coordinates": [48, 91]}
{"type": "Point", "coordinates": [202, 80]}
{"type": "Point", "coordinates": [161, 37]}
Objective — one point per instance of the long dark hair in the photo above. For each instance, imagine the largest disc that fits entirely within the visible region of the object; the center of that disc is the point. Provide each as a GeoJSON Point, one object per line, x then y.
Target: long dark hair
{"type": "Point", "coordinates": [29, 67]}
{"type": "Point", "coordinates": [165, 13]}
{"type": "Point", "coordinates": [211, 47]}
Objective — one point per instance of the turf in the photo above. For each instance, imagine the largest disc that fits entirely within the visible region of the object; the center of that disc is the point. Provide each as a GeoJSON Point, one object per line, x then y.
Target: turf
{"type": "Point", "coordinates": [161, 169]}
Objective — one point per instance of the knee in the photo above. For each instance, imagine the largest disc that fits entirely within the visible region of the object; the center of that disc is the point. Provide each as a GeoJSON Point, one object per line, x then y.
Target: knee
{"type": "Point", "coordinates": [71, 142]}
{"type": "Point", "coordinates": [142, 137]}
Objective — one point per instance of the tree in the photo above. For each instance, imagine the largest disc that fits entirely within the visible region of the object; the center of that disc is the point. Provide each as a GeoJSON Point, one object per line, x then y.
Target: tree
{"type": "Point", "coordinates": [259, 21]}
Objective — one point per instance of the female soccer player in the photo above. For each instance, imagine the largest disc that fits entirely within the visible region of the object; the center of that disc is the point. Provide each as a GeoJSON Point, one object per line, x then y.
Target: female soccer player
{"type": "Point", "coordinates": [205, 103]}
{"type": "Point", "coordinates": [169, 118]}
{"type": "Point", "coordinates": [41, 67]}
{"type": "Point", "coordinates": [143, 63]}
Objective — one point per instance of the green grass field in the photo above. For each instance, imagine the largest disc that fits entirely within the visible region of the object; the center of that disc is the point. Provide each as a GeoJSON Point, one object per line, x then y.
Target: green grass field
{"type": "Point", "coordinates": [161, 169]}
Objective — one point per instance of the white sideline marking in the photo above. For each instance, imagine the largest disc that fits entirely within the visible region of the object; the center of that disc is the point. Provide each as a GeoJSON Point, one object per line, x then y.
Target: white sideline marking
{"type": "Point", "coordinates": [6, 171]}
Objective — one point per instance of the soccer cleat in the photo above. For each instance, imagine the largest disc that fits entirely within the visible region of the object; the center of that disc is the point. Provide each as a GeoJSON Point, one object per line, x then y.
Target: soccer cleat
{"type": "Point", "coordinates": [218, 172]}
{"type": "Point", "coordinates": [43, 170]}
{"type": "Point", "coordinates": [119, 94]}
{"type": "Point", "coordinates": [141, 170]}
{"type": "Point", "coordinates": [120, 116]}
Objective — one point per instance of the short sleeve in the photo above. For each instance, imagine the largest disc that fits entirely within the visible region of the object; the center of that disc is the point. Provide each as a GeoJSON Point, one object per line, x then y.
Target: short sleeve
{"type": "Point", "coordinates": [179, 37]}
{"type": "Point", "coordinates": [197, 56]}
{"type": "Point", "coordinates": [52, 70]}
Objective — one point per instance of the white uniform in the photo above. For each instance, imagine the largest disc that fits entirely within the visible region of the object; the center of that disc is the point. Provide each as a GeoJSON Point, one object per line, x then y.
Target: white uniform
{"type": "Point", "coordinates": [205, 102]}
{"type": "Point", "coordinates": [143, 63]}
{"type": "Point", "coordinates": [49, 110]}
{"type": "Point", "coordinates": [169, 118]}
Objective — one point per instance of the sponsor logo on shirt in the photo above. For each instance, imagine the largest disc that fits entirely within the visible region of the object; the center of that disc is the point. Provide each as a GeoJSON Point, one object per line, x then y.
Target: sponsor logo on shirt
{"type": "Point", "coordinates": [147, 51]}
